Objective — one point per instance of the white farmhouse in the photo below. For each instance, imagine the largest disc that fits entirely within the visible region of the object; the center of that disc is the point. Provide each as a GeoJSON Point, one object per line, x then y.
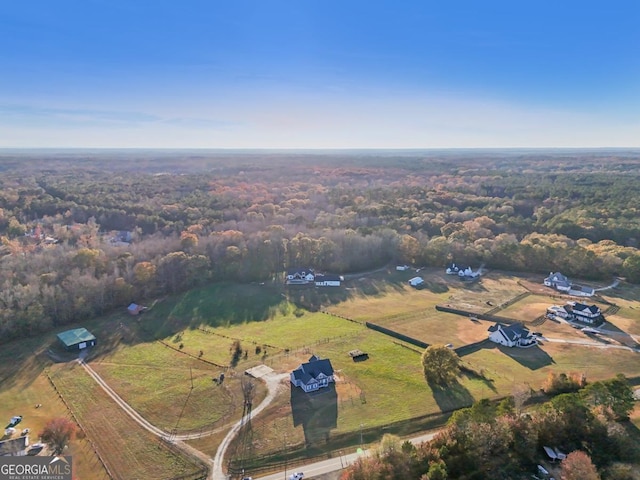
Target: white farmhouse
{"type": "Point", "coordinates": [515, 335]}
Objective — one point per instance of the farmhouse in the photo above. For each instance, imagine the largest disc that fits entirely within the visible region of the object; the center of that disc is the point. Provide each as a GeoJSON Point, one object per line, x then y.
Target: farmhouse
{"type": "Point", "coordinates": [314, 374]}
{"type": "Point", "coordinates": [558, 281]}
{"type": "Point", "coordinates": [465, 273]}
{"type": "Point", "coordinates": [584, 313]}
{"type": "Point", "coordinates": [454, 269]}
{"type": "Point", "coordinates": [516, 335]}
{"type": "Point", "coordinates": [300, 276]}
{"type": "Point", "coordinates": [328, 280]}
{"type": "Point", "coordinates": [77, 339]}
{"type": "Point", "coordinates": [416, 282]}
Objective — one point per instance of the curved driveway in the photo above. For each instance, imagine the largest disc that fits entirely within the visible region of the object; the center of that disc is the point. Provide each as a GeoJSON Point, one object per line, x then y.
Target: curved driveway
{"type": "Point", "coordinates": [216, 472]}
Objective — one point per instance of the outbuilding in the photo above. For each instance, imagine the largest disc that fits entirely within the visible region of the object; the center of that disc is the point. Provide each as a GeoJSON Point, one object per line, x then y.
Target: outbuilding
{"type": "Point", "coordinates": [77, 339]}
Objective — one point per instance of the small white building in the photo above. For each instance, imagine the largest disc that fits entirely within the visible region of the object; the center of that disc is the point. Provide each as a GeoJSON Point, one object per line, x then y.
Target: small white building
{"type": "Point", "coordinates": [559, 311]}
{"type": "Point", "coordinates": [328, 280]}
{"type": "Point", "coordinates": [581, 291]}
{"type": "Point", "coordinates": [415, 282]}
{"type": "Point", "coordinates": [402, 268]}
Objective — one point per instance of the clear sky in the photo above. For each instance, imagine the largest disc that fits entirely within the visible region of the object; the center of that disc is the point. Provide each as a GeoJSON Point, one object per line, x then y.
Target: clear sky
{"type": "Point", "coordinates": [320, 73]}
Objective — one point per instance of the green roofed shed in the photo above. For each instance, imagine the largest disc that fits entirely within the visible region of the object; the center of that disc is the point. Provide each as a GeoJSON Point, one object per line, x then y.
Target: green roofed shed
{"type": "Point", "coordinates": [77, 339]}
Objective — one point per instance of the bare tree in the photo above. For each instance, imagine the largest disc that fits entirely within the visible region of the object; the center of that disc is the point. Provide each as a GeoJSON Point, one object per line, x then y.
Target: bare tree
{"type": "Point", "coordinates": [57, 433]}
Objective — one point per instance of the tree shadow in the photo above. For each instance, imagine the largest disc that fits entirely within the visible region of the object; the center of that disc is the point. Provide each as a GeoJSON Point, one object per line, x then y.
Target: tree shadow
{"type": "Point", "coordinates": [451, 396]}
{"type": "Point", "coordinates": [317, 412]}
{"type": "Point", "coordinates": [474, 347]}
{"type": "Point", "coordinates": [22, 361]}
{"type": "Point", "coordinates": [533, 358]}
{"type": "Point", "coordinates": [471, 374]}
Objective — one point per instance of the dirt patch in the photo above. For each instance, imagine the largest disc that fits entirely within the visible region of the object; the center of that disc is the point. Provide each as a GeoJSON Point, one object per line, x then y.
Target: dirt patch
{"type": "Point", "coordinates": [470, 331]}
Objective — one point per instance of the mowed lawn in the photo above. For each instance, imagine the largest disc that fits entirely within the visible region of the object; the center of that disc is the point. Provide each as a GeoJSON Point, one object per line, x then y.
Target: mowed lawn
{"type": "Point", "coordinates": [129, 450]}
{"type": "Point", "coordinates": [24, 384]}
{"type": "Point", "coordinates": [201, 326]}
{"type": "Point", "coordinates": [387, 387]}
{"type": "Point", "coordinates": [157, 382]}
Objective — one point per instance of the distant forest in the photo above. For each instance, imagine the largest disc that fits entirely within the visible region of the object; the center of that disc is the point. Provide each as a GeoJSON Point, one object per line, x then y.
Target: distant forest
{"type": "Point", "coordinates": [82, 233]}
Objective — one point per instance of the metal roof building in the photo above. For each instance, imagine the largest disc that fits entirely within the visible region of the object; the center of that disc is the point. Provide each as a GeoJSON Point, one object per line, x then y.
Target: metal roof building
{"type": "Point", "coordinates": [77, 339]}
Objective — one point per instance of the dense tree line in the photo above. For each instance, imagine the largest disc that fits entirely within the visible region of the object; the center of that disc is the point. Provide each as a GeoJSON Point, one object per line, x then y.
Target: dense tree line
{"type": "Point", "coordinates": [197, 218]}
{"type": "Point", "coordinates": [498, 441]}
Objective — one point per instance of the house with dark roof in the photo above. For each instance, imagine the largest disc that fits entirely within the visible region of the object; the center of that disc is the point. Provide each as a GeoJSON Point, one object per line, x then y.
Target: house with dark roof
{"type": "Point", "coordinates": [515, 335]}
{"type": "Point", "coordinates": [328, 280]}
{"type": "Point", "coordinates": [300, 276]}
{"type": "Point", "coordinates": [558, 281]}
{"type": "Point", "coordinates": [77, 339]}
{"type": "Point", "coordinates": [585, 313]}
{"type": "Point", "coordinates": [313, 375]}
{"type": "Point", "coordinates": [14, 446]}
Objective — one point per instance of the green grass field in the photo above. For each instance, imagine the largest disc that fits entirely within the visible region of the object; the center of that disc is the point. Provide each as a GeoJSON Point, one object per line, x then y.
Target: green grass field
{"type": "Point", "coordinates": [201, 326]}
{"type": "Point", "coordinates": [128, 449]}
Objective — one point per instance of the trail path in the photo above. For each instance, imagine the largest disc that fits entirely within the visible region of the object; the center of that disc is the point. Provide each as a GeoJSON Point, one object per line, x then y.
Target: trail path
{"type": "Point", "coordinates": [216, 472]}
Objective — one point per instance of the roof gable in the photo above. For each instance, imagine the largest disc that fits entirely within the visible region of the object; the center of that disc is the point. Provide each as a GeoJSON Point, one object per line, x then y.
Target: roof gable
{"type": "Point", "coordinates": [313, 369]}
{"type": "Point", "coordinates": [75, 336]}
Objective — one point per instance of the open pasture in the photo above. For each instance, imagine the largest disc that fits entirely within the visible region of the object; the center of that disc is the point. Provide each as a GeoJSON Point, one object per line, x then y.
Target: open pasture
{"type": "Point", "coordinates": [128, 449]}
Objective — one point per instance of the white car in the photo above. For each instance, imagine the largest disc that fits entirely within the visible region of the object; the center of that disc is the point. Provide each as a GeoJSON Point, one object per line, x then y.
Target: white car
{"type": "Point", "coordinates": [296, 476]}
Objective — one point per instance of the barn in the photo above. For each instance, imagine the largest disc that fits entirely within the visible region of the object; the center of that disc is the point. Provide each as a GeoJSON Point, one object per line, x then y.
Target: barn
{"type": "Point", "coordinates": [77, 339]}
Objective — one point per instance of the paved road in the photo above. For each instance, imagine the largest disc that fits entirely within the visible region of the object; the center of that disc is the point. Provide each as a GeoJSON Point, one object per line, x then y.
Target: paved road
{"type": "Point", "coordinates": [586, 343]}
{"type": "Point", "coordinates": [337, 463]}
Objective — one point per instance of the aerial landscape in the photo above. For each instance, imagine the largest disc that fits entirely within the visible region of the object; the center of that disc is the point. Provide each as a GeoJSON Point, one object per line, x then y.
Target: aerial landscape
{"type": "Point", "coordinates": [319, 241]}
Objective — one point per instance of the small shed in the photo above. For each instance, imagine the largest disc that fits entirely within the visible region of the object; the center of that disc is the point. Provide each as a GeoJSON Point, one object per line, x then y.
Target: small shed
{"type": "Point", "coordinates": [416, 282]}
{"type": "Point", "coordinates": [135, 309]}
{"type": "Point", "coordinates": [77, 339]}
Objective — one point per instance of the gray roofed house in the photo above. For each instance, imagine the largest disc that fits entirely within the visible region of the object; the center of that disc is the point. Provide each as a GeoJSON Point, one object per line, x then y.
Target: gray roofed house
{"type": "Point", "coordinates": [316, 373]}
{"type": "Point", "coordinates": [77, 339]}
{"type": "Point", "coordinates": [515, 335]}
{"type": "Point", "coordinates": [14, 446]}
{"type": "Point", "coordinates": [558, 281]}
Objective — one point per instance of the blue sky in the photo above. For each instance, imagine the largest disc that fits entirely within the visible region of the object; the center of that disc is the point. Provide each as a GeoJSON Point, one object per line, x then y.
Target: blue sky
{"type": "Point", "coordinates": [319, 74]}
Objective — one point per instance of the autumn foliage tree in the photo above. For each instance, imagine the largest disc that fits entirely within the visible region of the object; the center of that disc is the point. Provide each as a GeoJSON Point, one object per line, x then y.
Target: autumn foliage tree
{"type": "Point", "coordinates": [578, 466]}
{"type": "Point", "coordinates": [57, 433]}
{"type": "Point", "coordinates": [441, 364]}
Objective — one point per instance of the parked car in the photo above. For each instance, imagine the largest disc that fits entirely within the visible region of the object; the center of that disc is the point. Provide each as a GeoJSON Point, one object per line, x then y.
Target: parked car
{"type": "Point", "coordinates": [296, 476]}
{"type": "Point", "coordinates": [14, 421]}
